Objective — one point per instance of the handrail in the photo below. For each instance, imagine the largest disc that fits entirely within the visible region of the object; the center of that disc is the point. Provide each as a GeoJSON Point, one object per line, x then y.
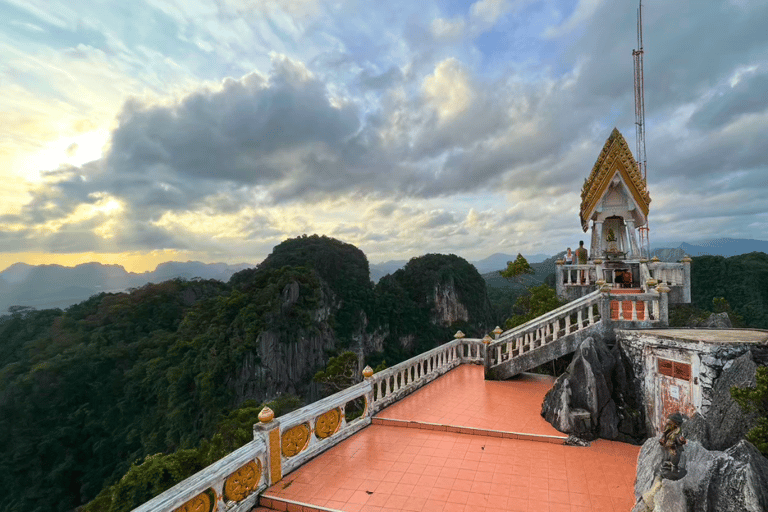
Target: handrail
{"type": "Point", "coordinates": [574, 304]}
{"type": "Point", "coordinates": [393, 383]}
{"type": "Point", "coordinates": [214, 478]}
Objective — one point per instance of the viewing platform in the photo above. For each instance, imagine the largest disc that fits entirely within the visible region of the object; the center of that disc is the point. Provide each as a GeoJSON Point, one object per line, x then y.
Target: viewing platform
{"type": "Point", "coordinates": [462, 443]}
{"type": "Point", "coordinates": [433, 435]}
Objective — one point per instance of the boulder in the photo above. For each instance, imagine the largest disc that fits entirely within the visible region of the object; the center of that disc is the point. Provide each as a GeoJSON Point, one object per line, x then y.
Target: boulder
{"type": "Point", "coordinates": [716, 481]}
{"type": "Point", "coordinates": [717, 321]}
{"type": "Point", "coordinates": [727, 422]}
{"type": "Point", "coordinates": [697, 429]}
{"type": "Point", "coordinates": [590, 399]}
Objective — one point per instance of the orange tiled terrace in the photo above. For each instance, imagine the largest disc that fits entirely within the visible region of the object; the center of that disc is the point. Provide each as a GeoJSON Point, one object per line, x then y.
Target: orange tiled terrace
{"type": "Point", "coordinates": [461, 443]}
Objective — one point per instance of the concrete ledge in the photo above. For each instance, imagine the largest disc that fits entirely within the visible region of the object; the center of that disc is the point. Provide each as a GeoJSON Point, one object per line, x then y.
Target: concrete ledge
{"type": "Point", "coordinates": [278, 503]}
{"type": "Point", "coordinates": [455, 429]}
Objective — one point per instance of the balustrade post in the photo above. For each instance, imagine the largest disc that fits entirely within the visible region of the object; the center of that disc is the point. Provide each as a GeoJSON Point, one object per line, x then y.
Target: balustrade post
{"type": "Point", "coordinates": [663, 304]}
{"type": "Point", "coordinates": [268, 429]}
{"type": "Point", "coordinates": [634, 311]}
{"type": "Point", "coordinates": [590, 315]}
{"type": "Point", "coordinates": [686, 280]}
{"type": "Point", "coordinates": [487, 355]}
{"type": "Point", "coordinates": [555, 329]}
{"type": "Point", "coordinates": [579, 319]}
{"type": "Point", "coordinates": [568, 324]}
{"type": "Point", "coordinates": [605, 308]}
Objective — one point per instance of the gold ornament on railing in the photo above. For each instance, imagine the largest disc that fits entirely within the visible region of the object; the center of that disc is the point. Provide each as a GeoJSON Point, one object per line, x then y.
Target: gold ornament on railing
{"type": "Point", "coordinates": [327, 423]}
{"type": "Point", "coordinates": [266, 415]}
{"type": "Point", "coordinates": [367, 372]}
{"type": "Point", "coordinates": [487, 339]}
{"type": "Point", "coordinates": [200, 503]}
{"type": "Point", "coordinates": [242, 482]}
{"type": "Point", "coordinates": [459, 335]}
{"type": "Point", "coordinates": [295, 440]}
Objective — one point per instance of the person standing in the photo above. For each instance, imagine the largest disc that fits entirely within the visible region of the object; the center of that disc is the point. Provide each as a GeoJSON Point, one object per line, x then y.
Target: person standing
{"type": "Point", "coordinates": [581, 256]}
{"type": "Point", "coordinates": [569, 257]}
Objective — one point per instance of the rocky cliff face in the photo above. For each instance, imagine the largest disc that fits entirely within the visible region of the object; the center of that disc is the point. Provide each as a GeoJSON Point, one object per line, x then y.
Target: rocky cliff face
{"type": "Point", "coordinates": [448, 308]}
{"type": "Point", "coordinates": [734, 480]}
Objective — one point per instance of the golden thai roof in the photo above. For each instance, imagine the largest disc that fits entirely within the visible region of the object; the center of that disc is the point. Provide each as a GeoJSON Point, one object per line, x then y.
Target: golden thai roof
{"type": "Point", "coordinates": [614, 158]}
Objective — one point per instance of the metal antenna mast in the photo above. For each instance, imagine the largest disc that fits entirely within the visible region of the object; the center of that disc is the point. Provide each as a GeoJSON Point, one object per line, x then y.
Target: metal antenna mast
{"type": "Point", "coordinates": [637, 56]}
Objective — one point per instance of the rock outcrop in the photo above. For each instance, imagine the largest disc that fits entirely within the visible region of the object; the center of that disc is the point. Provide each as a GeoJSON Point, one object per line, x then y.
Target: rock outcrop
{"type": "Point", "coordinates": [597, 396]}
{"type": "Point", "coordinates": [448, 308]}
{"type": "Point", "coordinates": [734, 480]}
{"type": "Point", "coordinates": [727, 422]}
{"type": "Point", "coordinates": [717, 321]}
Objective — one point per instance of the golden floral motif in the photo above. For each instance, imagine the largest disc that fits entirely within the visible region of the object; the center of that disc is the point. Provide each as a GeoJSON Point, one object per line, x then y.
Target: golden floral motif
{"type": "Point", "coordinates": [242, 482]}
{"type": "Point", "coordinates": [327, 423]}
{"type": "Point", "coordinates": [295, 440]}
{"type": "Point", "coordinates": [200, 503]}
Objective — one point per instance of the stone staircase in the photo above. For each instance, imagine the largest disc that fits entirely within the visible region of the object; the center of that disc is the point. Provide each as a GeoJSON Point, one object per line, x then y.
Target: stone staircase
{"type": "Point", "coordinates": [545, 338]}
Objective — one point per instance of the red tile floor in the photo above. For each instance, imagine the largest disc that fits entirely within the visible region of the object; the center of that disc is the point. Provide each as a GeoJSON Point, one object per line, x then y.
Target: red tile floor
{"type": "Point", "coordinates": [391, 468]}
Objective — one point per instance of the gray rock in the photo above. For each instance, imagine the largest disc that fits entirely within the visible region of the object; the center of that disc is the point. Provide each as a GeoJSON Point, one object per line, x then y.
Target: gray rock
{"type": "Point", "coordinates": [595, 396]}
{"type": "Point", "coordinates": [697, 429]}
{"type": "Point", "coordinates": [717, 321]}
{"type": "Point", "coordinates": [735, 480]}
{"type": "Point", "coordinates": [727, 422]}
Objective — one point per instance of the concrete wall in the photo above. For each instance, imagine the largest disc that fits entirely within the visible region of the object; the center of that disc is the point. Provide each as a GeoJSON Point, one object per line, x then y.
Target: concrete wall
{"type": "Point", "coordinates": [707, 360]}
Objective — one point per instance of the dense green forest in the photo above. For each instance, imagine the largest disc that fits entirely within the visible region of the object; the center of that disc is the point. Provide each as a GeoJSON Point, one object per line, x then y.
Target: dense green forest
{"type": "Point", "coordinates": [148, 380]}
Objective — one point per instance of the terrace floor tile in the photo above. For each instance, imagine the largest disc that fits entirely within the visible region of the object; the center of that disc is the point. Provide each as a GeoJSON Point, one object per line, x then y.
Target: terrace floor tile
{"type": "Point", "coordinates": [386, 468]}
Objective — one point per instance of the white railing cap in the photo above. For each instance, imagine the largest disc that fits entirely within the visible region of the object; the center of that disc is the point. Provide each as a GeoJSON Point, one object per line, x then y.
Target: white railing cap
{"type": "Point", "coordinates": [309, 411]}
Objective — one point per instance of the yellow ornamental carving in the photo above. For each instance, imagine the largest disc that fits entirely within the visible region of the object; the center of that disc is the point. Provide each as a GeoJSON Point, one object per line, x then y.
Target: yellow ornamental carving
{"type": "Point", "coordinates": [200, 503]}
{"type": "Point", "coordinates": [327, 423]}
{"type": "Point", "coordinates": [242, 482]}
{"type": "Point", "coordinates": [295, 440]}
{"type": "Point", "coordinates": [615, 157]}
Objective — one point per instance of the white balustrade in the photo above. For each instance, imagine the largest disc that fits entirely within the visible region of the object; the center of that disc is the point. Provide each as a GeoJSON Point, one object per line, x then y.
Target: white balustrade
{"type": "Point", "coordinates": [213, 478]}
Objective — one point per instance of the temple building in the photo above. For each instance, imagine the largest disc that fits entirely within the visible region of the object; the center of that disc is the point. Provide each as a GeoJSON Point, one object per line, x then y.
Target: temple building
{"type": "Point", "coordinates": [614, 207]}
{"type": "Point", "coordinates": [614, 202]}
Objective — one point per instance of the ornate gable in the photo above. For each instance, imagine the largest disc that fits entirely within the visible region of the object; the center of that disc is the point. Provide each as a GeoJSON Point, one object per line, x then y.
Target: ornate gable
{"type": "Point", "coordinates": [614, 158]}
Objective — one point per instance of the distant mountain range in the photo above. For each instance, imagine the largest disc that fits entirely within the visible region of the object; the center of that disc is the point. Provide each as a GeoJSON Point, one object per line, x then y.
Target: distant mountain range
{"type": "Point", "coordinates": [56, 286]}
{"type": "Point", "coordinates": [51, 286]}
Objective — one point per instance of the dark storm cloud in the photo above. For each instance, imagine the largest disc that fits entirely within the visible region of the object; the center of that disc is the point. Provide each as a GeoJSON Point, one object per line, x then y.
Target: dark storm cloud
{"type": "Point", "coordinates": [243, 133]}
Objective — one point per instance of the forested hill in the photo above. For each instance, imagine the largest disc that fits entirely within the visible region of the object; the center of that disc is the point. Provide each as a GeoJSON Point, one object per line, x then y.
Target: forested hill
{"type": "Point", "coordinates": [86, 392]}
{"type": "Point", "coordinates": [742, 280]}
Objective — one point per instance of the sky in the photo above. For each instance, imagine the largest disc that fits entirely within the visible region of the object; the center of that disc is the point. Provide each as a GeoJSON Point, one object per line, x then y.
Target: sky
{"type": "Point", "coordinates": [153, 130]}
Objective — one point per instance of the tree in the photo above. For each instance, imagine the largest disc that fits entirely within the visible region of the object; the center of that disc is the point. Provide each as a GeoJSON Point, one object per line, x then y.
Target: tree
{"type": "Point", "coordinates": [756, 400]}
{"type": "Point", "coordinates": [540, 300]}
{"type": "Point", "coordinates": [340, 373]}
{"type": "Point", "coordinates": [517, 269]}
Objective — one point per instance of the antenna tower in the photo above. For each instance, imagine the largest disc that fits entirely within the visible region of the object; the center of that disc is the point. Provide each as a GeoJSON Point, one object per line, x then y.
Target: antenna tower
{"type": "Point", "coordinates": [637, 56]}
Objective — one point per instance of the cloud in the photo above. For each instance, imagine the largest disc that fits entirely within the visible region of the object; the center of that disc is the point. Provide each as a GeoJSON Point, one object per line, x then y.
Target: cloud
{"type": "Point", "coordinates": [407, 128]}
{"type": "Point", "coordinates": [447, 29]}
{"type": "Point", "coordinates": [448, 89]}
{"type": "Point", "coordinates": [489, 11]}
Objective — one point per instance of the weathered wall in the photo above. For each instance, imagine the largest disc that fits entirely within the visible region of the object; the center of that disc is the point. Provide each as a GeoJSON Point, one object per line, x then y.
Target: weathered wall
{"type": "Point", "coordinates": [707, 360]}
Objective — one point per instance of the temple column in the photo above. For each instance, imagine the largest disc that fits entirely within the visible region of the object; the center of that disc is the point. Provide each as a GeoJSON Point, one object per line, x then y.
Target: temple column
{"type": "Point", "coordinates": [634, 248]}
{"type": "Point", "coordinates": [598, 250]}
